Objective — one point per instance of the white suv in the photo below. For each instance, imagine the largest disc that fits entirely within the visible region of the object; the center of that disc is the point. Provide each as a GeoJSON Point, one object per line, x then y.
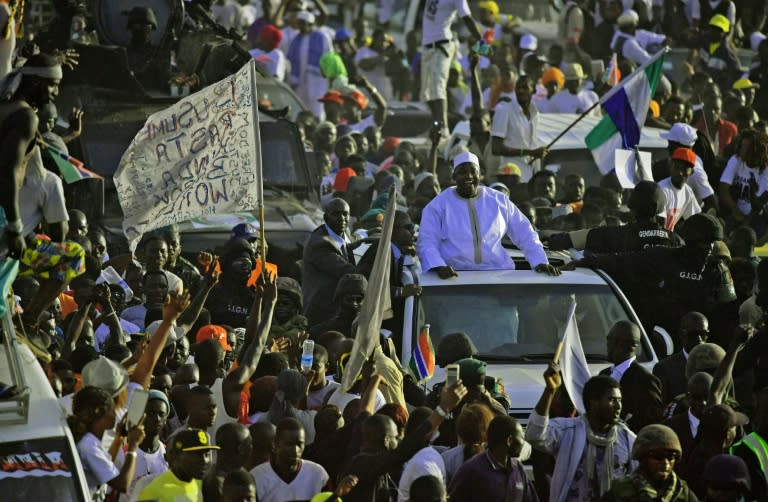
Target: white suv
{"type": "Point", "coordinates": [38, 455]}
{"type": "Point", "coordinates": [516, 319]}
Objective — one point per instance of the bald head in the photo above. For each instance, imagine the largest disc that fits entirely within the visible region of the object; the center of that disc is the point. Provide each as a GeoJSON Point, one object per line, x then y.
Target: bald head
{"type": "Point", "coordinates": [379, 432]}
{"type": "Point", "coordinates": [698, 392]}
{"type": "Point", "coordinates": [337, 215]}
{"type": "Point", "coordinates": [694, 329]}
{"type": "Point", "coordinates": [622, 341]}
{"type": "Point", "coordinates": [235, 442]}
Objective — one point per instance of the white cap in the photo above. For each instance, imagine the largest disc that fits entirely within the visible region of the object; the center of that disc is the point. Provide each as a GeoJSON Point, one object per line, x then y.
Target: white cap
{"type": "Point", "coordinates": [464, 158]}
{"type": "Point", "coordinates": [529, 42]}
{"type": "Point", "coordinates": [306, 16]}
{"type": "Point", "coordinates": [755, 40]}
{"type": "Point", "coordinates": [681, 133]}
{"type": "Point", "coordinates": [628, 17]}
{"type": "Point", "coordinates": [175, 335]}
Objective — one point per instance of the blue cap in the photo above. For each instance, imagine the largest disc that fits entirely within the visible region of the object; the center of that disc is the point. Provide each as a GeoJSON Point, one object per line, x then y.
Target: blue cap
{"type": "Point", "coordinates": [341, 35]}
{"type": "Point", "coordinates": [244, 231]}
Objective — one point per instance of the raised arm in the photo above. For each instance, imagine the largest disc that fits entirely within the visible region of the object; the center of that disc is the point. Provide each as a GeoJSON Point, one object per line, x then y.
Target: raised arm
{"type": "Point", "coordinates": [380, 115]}
{"type": "Point", "coordinates": [724, 373]}
{"type": "Point", "coordinates": [172, 309]}
{"type": "Point", "coordinates": [189, 317]}
{"type": "Point", "coordinates": [13, 148]}
{"type": "Point", "coordinates": [235, 380]}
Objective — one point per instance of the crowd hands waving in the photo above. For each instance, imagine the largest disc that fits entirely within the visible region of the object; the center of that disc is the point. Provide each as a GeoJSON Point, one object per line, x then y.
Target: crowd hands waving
{"type": "Point", "coordinates": [243, 363]}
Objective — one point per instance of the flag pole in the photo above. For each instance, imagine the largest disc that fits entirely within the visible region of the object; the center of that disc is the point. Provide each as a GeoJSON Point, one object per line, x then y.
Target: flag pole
{"type": "Point", "coordinates": [257, 157]}
{"type": "Point", "coordinates": [607, 95]}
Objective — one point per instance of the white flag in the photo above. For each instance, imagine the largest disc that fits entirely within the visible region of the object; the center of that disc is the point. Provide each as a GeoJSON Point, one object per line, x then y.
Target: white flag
{"type": "Point", "coordinates": [199, 157]}
{"type": "Point", "coordinates": [573, 362]}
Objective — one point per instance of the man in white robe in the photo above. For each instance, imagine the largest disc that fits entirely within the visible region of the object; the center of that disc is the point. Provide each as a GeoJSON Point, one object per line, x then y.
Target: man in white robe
{"type": "Point", "coordinates": [462, 228]}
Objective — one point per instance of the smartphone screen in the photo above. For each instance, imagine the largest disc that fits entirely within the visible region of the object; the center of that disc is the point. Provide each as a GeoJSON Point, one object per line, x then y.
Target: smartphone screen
{"type": "Point", "coordinates": [451, 374]}
{"type": "Point", "coordinates": [136, 407]}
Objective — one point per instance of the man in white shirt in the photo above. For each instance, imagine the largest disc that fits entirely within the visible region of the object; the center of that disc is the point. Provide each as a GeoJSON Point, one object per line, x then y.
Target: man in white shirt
{"type": "Point", "coordinates": [426, 462]}
{"type": "Point", "coordinates": [287, 476]}
{"type": "Point", "coordinates": [513, 131]}
{"type": "Point", "coordinates": [439, 51]}
{"type": "Point", "coordinates": [684, 135]}
{"type": "Point", "coordinates": [371, 62]}
{"type": "Point", "coordinates": [304, 54]}
{"type": "Point", "coordinates": [624, 41]}
{"type": "Point", "coordinates": [686, 425]}
{"type": "Point", "coordinates": [574, 99]}
{"type": "Point", "coordinates": [680, 199]}
{"type": "Point", "coordinates": [462, 228]}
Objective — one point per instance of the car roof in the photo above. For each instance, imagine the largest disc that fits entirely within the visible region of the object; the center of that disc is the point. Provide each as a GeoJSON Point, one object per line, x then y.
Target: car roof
{"type": "Point", "coordinates": [46, 416]}
{"type": "Point", "coordinates": [582, 276]}
{"type": "Point", "coordinates": [552, 124]}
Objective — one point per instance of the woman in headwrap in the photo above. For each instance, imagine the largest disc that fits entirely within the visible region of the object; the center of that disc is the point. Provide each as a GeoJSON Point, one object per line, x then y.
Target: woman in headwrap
{"type": "Point", "coordinates": [265, 51]}
{"type": "Point", "coordinates": [333, 68]}
{"type": "Point", "coordinates": [291, 392]}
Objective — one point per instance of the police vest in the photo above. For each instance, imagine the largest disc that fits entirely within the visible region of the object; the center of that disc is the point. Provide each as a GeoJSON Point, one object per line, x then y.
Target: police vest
{"type": "Point", "coordinates": [759, 447]}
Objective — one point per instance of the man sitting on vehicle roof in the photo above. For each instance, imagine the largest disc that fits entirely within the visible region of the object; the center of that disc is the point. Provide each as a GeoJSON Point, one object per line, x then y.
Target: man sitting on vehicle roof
{"type": "Point", "coordinates": [463, 226]}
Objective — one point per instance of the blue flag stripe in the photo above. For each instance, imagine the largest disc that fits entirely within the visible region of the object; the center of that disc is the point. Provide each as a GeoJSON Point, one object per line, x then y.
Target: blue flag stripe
{"type": "Point", "coordinates": [620, 111]}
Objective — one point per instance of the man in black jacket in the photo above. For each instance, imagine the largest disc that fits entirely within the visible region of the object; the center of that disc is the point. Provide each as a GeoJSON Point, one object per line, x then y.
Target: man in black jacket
{"type": "Point", "coordinates": [646, 202]}
{"type": "Point", "coordinates": [694, 329]}
{"type": "Point", "coordinates": [327, 257]}
{"type": "Point", "coordinates": [641, 391]}
{"type": "Point", "coordinates": [664, 283]}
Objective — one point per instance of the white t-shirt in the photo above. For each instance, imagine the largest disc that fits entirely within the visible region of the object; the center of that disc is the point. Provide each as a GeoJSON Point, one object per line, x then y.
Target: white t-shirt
{"type": "Point", "coordinates": [102, 333]}
{"type": "Point", "coordinates": [342, 399]}
{"type": "Point", "coordinates": [41, 196]}
{"type": "Point", "coordinates": [97, 466]}
{"type": "Point", "coordinates": [315, 399]}
{"type": "Point", "coordinates": [378, 76]}
{"type": "Point", "coordinates": [438, 17]}
{"type": "Point", "coordinates": [700, 182]}
{"type": "Point", "coordinates": [274, 61]}
{"type": "Point", "coordinates": [746, 178]}
{"type": "Point", "coordinates": [517, 130]}
{"type": "Point", "coordinates": [565, 102]}
{"type": "Point", "coordinates": [680, 203]}
{"type": "Point", "coordinates": [426, 462]}
{"type": "Point", "coordinates": [271, 488]}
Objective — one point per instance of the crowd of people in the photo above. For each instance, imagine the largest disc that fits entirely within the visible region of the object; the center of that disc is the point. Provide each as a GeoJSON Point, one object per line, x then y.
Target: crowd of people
{"type": "Point", "coordinates": [243, 363]}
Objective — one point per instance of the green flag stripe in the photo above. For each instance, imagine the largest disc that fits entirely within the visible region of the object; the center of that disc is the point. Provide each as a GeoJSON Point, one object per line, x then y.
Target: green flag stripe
{"type": "Point", "coordinates": [601, 133]}
{"type": "Point", "coordinates": [653, 74]}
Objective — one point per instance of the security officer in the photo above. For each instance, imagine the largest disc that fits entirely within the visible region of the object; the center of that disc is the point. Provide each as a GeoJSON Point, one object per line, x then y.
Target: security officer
{"type": "Point", "coordinates": [664, 283]}
{"type": "Point", "coordinates": [646, 202]}
{"type": "Point", "coordinates": [753, 449]}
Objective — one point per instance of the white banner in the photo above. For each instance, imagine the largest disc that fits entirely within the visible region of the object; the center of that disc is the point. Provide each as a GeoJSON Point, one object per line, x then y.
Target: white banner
{"type": "Point", "coordinates": [200, 157]}
{"type": "Point", "coordinates": [573, 362]}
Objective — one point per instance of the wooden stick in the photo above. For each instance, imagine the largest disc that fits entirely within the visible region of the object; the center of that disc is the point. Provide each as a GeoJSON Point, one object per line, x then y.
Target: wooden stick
{"type": "Point", "coordinates": [558, 351]}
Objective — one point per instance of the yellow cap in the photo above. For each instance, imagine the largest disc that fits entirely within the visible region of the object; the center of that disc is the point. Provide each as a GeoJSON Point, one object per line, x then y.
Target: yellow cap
{"type": "Point", "coordinates": [510, 169]}
{"type": "Point", "coordinates": [490, 6]}
{"type": "Point", "coordinates": [744, 83]}
{"type": "Point", "coordinates": [721, 22]}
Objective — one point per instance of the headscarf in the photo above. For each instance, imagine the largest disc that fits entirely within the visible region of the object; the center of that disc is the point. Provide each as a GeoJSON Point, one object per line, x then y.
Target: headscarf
{"type": "Point", "coordinates": [332, 65]}
{"type": "Point", "coordinates": [10, 84]}
{"type": "Point", "coordinates": [291, 386]}
{"type": "Point", "coordinates": [271, 36]}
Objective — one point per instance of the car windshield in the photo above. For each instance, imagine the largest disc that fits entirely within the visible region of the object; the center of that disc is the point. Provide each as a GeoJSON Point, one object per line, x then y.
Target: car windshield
{"type": "Point", "coordinates": [523, 322]}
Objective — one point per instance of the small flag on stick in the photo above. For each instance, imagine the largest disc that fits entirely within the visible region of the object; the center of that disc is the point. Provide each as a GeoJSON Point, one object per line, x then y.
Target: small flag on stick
{"type": "Point", "coordinates": [422, 364]}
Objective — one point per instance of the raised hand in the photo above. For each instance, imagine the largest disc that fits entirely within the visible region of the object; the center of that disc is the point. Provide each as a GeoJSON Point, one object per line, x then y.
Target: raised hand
{"type": "Point", "coordinates": [450, 397]}
{"type": "Point", "coordinates": [175, 305]}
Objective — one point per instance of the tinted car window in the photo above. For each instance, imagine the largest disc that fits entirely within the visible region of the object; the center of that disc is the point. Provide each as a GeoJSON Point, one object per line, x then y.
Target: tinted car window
{"type": "Point", "coordinates": [519, 321]}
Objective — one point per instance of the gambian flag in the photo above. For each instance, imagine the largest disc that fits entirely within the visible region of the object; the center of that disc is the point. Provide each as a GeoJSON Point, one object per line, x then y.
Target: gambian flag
{"type": "Point", "coordinates": [612, 75]}
{"type": "Point", "coordinates": [422, 364]}
{"type": "Point", "coordinates": [625, 107]}
{"type": "Point", "coordinates": [70, 168]}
